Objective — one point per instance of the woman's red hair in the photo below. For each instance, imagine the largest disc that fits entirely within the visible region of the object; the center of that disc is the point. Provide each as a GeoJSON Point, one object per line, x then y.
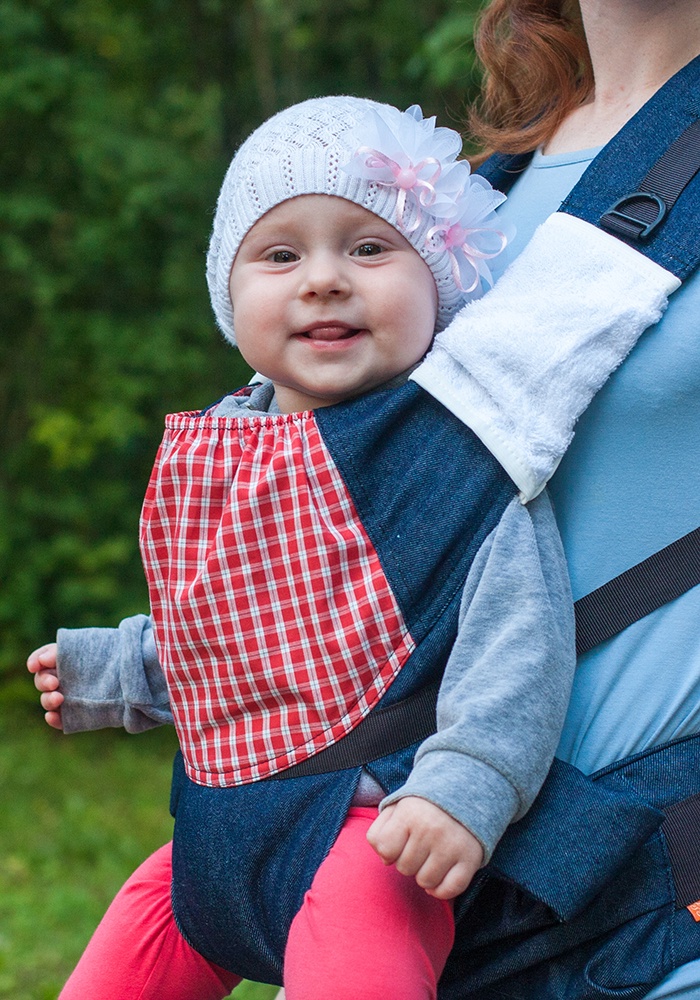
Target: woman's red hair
{"type": "Point", "coordinates": [537, 69]}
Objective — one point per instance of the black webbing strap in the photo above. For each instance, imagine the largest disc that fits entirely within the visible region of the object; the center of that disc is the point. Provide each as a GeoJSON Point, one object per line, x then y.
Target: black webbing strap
{"type": "Point", "coordinates": [637, 215]}
{"type": "Point", "coordinates": [384, 731]}
{"type": "Point", "coordinates": [680, 828]}
{"type": "Point", "coordinates": [599, 615]}
{"type": "Point", "coordinates": [637, 592]}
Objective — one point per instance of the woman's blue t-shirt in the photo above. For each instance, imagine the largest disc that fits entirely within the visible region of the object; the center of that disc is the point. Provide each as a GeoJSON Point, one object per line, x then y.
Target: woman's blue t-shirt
{"type": "Point", "coordinates": [629, 485]}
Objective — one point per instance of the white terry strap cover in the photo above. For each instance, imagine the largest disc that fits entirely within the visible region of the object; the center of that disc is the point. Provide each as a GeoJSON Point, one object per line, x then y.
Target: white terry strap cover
{"type": "Point", "coordinates": [520, 365]}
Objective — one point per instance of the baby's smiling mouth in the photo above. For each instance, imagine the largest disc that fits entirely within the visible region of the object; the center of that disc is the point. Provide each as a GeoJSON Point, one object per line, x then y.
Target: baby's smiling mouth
{"type": "Point", "coordinates": [330, 332]}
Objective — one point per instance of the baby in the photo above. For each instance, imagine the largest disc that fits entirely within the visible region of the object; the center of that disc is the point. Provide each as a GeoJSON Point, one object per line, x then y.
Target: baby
{"type": "Point", "coordinates": [324, 548]}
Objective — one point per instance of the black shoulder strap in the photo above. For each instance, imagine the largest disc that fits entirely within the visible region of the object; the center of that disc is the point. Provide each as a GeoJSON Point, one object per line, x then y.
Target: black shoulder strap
{"type": "Point", "coordinates": [637, 215]}
{"type": "Point", "coordinates": [637, 592]}
{"type": "Point", "coordinates": [652, 164]}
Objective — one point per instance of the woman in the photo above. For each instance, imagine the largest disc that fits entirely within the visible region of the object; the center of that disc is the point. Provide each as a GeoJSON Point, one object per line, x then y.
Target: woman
{"type": "Point", "coordinates": [564, 80]}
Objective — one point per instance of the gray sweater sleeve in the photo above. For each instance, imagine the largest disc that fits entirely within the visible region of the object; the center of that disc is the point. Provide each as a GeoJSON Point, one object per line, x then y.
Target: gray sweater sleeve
{"type": "Point", "coordinates": [506, 687]}
{"type": "Point", "coordinates": [111, 677]}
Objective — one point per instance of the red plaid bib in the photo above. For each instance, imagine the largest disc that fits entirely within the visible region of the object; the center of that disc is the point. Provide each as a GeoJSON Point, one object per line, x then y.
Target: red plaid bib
{"type": "Point", "coordinates": [275, 625]}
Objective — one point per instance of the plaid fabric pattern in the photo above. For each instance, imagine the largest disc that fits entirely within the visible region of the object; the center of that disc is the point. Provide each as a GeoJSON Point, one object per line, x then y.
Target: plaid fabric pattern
{"type": "Point", "coordinates": [275, 624]}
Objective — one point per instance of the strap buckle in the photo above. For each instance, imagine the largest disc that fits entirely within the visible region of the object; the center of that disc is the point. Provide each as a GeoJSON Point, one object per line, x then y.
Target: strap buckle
{"type": "Point", "coordinates": [625, 224]}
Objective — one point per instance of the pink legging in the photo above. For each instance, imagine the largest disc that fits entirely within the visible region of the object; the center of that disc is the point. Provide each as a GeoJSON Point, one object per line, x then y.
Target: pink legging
{"type": "Point", "coordinates": [363, 930]}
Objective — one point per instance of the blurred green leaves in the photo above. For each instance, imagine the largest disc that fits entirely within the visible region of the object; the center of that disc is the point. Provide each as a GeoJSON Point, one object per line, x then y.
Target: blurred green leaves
{"type": "Point", "coordinates": [118, 121]}
{"type": "Point", "coordinates": [446, 57]}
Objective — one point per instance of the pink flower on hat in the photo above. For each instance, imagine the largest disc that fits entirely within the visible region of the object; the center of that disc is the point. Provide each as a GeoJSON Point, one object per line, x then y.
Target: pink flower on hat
{"type": "Point", "coordinates": [402, 149]}
{"type": "Point", "coordinates": [405, 151]}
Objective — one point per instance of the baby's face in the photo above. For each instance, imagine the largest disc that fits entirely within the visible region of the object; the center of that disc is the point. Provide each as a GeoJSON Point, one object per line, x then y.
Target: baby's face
{"type": "Point", "coordinates": [329, 301]}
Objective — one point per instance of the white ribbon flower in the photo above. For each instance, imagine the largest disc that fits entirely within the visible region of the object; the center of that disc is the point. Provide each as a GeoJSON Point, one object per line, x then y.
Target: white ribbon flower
{"type": "Point", "coordinates": [473, 236]}
{"type": "Point", "coordinates": [408, 152]}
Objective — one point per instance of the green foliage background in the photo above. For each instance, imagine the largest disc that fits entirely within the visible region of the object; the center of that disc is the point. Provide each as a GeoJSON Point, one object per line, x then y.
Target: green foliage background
{"type": "Point", "coordinates": [118, 121]}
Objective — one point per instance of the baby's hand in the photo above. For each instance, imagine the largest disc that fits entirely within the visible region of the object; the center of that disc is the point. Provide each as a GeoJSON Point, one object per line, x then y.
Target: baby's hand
{"type": "Point", "coordinates": [42, 663]}
{"type": "Point", "coordinates": [424, 841]}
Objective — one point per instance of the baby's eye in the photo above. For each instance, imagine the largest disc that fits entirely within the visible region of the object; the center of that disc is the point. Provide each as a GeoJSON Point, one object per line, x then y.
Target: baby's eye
{"type": "Point", "coordinates": [283, 256]}
{"type": "Point", "coordinates": [368, 250]}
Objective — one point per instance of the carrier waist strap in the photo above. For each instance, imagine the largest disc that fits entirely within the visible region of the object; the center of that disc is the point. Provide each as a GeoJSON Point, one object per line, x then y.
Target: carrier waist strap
{"type": "Point", "coordinates": [605, 612]}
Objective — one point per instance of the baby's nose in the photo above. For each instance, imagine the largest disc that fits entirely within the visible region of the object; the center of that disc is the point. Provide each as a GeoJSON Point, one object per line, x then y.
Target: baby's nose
{"type": "Point", "coordinates": [325, 275]}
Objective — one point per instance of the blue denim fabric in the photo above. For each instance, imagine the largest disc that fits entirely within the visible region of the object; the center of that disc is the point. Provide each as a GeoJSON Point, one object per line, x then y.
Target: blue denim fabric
{"type": "Point", "coordinates": [579, 900]}
{"type": "Point", "coordinates": [426, 490]}
{"type": "Point", "coordinates": [243, 857]}
{"type": "Point", "coordinates": [621, 165]}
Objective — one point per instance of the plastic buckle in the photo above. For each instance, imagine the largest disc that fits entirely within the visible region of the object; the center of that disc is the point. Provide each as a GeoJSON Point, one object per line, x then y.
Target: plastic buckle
{"type": "Point", "coordinates": [645, 229]}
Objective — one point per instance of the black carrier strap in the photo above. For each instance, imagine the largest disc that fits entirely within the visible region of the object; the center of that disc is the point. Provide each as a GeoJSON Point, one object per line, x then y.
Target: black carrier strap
{"type": "Point", "coordinates": [600, 615]}
{"type": "Point", "coordinates": [637, 592]}
{"type": "Point", "coordinates": [383, 731]}
{"type": "Point", "coordinates": [637, 215]}
{"type": "Point", "coordinates": [680, 829]}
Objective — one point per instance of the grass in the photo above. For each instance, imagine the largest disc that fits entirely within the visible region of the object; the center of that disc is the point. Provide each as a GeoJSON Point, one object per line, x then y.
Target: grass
{"type": "Point", "coordinates": [77, 815]}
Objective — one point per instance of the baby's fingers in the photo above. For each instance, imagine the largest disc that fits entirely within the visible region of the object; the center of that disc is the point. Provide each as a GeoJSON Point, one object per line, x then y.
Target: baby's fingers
{"type": "Point", "coordinates": [53, 719]}
{"type": "Point", "coordinates": [387, 837]}
{"type": "Point", "coordinates": [51, 701]}
{"type": "Point", "coordinates": [451, 884]}
{"type": "Point", "coordinates": [43, 658]}
{"type": "Point", "coordinates": [46, 680]}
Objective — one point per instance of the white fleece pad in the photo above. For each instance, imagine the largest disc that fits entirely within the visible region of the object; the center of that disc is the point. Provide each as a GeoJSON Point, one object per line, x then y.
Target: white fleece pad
{"type": "Point", "coordinates": [520, 365]}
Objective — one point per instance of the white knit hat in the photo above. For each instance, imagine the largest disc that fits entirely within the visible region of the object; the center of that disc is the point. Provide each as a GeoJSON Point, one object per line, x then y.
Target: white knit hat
{"type": "Point", "coordinates": [362, 151]}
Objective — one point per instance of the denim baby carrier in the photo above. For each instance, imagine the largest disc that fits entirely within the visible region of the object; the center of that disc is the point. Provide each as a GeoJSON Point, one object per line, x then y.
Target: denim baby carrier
{"type": "Point", "coordinates": [254, 818]}
{"type": "Point", "coordinates": [586, 896]}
